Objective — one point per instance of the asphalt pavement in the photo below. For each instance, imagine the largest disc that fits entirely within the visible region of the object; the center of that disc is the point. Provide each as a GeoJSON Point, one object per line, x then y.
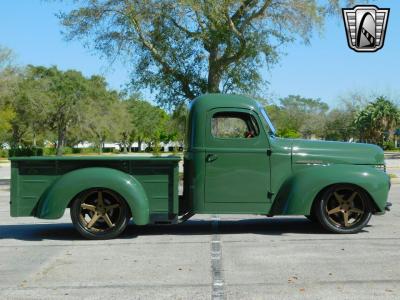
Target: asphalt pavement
{"type": "Point", "coordinates": [226, 257]}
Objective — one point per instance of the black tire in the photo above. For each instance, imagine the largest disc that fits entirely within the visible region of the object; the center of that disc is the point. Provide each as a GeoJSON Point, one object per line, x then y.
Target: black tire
{"type": "Point", "coordinates": [99, 214]}
{"type": "Point", "coordinates": [343, 208]}
{"type": "Point", "coordinates": [312, 218]}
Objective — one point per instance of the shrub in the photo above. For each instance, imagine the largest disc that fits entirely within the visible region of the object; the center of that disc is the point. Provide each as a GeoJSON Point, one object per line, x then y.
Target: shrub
{"type": "Point", "coordinates": [89, 150]}
{"type": "Point", "coordinates": [49, 151]}
{"type": "Point", "coordinates": [3, 153]}
{"type": "Point", "coordinates": [388, 145]}
{"type": "Point", "coordinates": [82, 150]}
{"type": "Point", "coordinates": [108, 149]}
{"type": "Point", "coordinates": [53, 151]}
{"type": "Point", "coordinates": [26, 151]}
{"type": "Point", "coordinates": [288, 133]}
{"type": "Point", "coordinates": [67, 150]}
{"type": "Point", "coordinates": [76, 150]}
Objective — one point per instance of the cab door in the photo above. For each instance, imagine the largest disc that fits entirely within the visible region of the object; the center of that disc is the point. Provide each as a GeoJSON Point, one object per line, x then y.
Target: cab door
{"type": "Point", "coordinates": [237, 165]}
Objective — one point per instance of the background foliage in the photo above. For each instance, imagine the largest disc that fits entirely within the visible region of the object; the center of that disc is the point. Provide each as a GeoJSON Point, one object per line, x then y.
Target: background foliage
{"type": "Point", "coordinates": [42, 106]}
{"type": "Point", "coordinates": [177, 49]}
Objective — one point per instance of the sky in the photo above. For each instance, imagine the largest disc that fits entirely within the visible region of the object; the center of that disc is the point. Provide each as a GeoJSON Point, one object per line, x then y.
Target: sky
{"type": "Point", "coordinates": [325, 69]}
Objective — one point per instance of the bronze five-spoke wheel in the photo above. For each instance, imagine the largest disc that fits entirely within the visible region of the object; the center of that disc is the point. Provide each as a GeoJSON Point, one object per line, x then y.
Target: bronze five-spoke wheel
{"type": "Point", "coordinates": [99, 214]}
{"type": "Point", "coordinates": [343, 209]}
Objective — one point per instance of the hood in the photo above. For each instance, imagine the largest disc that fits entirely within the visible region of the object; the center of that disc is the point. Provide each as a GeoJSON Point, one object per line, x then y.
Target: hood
{"type": "Point", "coordinates": [308, 151]}
{"type": "Point", "coordinates": [317, 152]}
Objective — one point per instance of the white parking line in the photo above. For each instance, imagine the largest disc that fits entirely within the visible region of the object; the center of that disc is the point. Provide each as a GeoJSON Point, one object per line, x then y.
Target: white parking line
{"type": "Point", "coordinates": [216, 263]}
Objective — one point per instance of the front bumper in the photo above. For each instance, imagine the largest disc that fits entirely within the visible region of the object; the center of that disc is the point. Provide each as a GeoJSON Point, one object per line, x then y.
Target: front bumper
{"type": "Point", "coordinates": [387, 208]}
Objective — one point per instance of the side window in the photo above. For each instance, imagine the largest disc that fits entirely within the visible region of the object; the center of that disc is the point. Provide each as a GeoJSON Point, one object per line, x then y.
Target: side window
{"type": "Point", "coordinates": [234, 125]}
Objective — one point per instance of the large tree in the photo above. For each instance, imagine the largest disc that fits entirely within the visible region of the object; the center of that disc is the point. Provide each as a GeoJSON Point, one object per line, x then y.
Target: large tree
{"type": "Point", "coordinates": [8, 75]}
{"type": "Point", "coordinates": [9, 78]}
{"type": "Point", "coordinates": [32, 103]}
{"type": "Point", "coordinates": [103, 115]}
{"type": "Point", "coordinates": [298, 116]}
{"type": "Point", "coordinates": [148, 122]}
{"type": "Point", "coordinates": [6, 58]}
{"type": "Point", "coordinates": [339, 124]}
{"type": "Point", "coordinates": [182, 48]}
{"type": "Point", "coordinates": [177, 124]}
{"type": "Point", "coordinates": [6, 117]}
{"type": "Point", "coordinates": [67, 92]}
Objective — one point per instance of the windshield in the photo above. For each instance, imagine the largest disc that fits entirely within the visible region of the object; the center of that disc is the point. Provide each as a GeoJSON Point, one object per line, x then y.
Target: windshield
{"type": "Point", "coordinates": [271, 130]}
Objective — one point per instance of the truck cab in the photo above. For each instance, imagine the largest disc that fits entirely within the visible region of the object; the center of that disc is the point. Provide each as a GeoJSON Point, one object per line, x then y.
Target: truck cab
{"type": "Point", "coordinates": [228, 156]}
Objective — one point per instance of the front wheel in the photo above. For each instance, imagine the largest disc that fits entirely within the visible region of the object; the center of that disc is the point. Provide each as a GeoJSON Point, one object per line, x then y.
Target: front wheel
{"type": "Point", "coordinates": [99, 214]}
{"type": "Point", "coordinates": [312, 218]}
{"type": "Point", "coordinates": [343, 209]}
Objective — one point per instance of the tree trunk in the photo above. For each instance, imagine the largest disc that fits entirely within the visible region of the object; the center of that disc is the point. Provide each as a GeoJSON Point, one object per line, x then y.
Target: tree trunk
{"type": "Point", "coordinates": [101, 147]}
{"type": "Point", "coordinates": [60, 141]}
{"type": "Point", "coordinates": [139, 145]}
{"type": "Point", "coordinates": [34, 140]}
{"type": "Point", "coordinates": [214, 78]}
{"type": "Point", "coordinates": [16, 137]}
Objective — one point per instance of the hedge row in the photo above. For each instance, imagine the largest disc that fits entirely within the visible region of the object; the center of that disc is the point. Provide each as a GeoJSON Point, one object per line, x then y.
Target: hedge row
{"type": "Point", "coordinates": [32, 151]}
{"type": "Point", "coordinates": [25, 152]}
{"type": "Point", "coordinates": [36, 151]}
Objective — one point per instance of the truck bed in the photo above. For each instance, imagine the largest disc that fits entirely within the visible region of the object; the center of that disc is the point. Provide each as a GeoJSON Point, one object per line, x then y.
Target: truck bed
{"type": "Point", "coordinates": [32, 176]}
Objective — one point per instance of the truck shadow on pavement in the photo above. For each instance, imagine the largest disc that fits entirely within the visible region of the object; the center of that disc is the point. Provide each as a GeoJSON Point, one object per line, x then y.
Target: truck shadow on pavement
{"type": "Point", "coordinates": [66, 232]}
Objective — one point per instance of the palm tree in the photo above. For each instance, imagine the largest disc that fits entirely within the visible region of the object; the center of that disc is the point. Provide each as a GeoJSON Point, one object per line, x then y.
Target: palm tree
{"type": "Point", "coordinates": [377, 121]}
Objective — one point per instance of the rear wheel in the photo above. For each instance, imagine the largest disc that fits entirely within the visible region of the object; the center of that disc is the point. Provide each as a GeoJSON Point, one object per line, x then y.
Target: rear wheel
{"type": "Point", "coordinates": [99, 214]}
{"type": "Point", "coordinates": [343, 209]}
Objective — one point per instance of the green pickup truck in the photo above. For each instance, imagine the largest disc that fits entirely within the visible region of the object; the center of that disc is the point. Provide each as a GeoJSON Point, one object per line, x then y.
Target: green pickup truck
{"type": "Point", "coordinates": [233, 164]}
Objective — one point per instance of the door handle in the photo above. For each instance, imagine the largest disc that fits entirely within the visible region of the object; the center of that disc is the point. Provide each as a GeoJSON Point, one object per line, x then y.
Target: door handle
{"type": "Point", "coordinates": [211, 157]}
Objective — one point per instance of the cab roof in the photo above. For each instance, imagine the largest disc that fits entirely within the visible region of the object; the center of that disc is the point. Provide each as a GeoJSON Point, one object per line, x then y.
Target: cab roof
{"type": "Point", "coordinates": [207, 102]}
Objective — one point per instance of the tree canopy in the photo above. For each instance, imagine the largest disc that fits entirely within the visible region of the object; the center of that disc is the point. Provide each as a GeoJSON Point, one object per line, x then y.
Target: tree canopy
{"type": "Point", "coordinates": [47, 105]}
{"type": "Point", "coordinates": [182, 48]}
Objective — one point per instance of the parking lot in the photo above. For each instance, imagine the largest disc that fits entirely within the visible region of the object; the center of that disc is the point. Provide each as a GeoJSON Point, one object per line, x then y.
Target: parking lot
{"type": "Point", "coordinates": [234, 257]}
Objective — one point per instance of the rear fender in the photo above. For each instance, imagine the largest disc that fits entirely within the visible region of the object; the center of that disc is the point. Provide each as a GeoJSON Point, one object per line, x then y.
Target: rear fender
{"type": "Point", "coordinates": [55, 200]}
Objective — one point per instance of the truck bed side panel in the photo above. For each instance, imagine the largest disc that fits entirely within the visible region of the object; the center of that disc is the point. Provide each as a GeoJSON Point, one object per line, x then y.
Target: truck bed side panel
{"type": "Point", "coordinates": [32, 177]}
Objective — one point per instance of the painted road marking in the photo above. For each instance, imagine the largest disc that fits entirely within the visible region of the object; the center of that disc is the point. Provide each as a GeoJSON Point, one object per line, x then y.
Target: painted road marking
{"type": "Point", "coordinates": [216, 262]}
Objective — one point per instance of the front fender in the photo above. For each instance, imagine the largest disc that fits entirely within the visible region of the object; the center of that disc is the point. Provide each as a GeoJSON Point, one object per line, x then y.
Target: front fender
{"type": "Point", "coordinates": [55, 200]}
{"type": "Point", "coordinates": [297, 194]}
